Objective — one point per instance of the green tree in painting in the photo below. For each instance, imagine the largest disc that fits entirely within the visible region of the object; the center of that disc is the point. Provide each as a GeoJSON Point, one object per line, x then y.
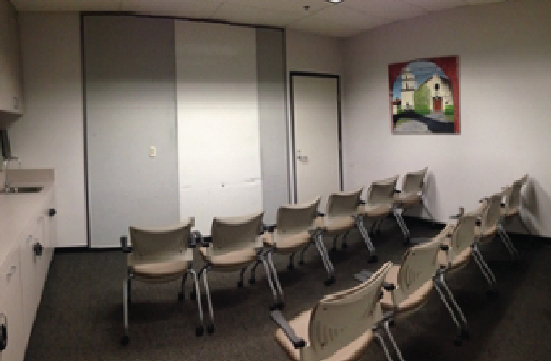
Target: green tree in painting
{"type": "Point", "coordinates": [421, 99]}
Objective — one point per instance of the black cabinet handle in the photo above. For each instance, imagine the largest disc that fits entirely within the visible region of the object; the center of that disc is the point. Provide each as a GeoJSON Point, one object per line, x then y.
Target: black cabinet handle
{"type": "Point", "coordinates": [3, 332]}
{"type": "Point", "coordinates": [38, 249]}
{"type": "Point", "coordinates": [52, 212]}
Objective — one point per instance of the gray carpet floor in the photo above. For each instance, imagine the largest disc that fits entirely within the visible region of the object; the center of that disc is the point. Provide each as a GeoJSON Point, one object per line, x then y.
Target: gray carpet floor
{"type": "Point", "coordinates": [80, 316]}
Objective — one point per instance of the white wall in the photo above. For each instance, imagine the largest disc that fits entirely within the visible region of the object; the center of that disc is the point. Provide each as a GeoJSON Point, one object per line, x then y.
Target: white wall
{"type": "Point", "coordinates": [310, 53]}
{"type": "Point", "coordinates": [50, 133]}
{"type": "Point", "coordinates": [505, 57]}
{"type": "Point", "coordinates": [218, 127]}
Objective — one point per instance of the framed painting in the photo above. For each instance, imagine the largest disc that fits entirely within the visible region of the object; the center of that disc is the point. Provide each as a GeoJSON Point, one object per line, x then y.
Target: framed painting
{"type": "Point", "coordinates": [424, 96]}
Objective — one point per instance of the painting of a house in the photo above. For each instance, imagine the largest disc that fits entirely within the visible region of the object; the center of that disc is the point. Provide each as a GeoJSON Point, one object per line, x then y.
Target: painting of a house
{"type": "Point", "coordinates": [424, 96]}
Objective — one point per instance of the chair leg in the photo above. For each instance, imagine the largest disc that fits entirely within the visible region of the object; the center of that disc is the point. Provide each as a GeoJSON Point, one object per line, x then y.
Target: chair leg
{"type": "Point", "coordinates": [182, 293]}
{"type": "Point", "coordinates": [252, 280]}
{"type": "Point", "coordinates": [240, 282]}
{"type": "Point", "coordinates": [129, 287]}
{"type": "Point", "coordinates": [125, 287]}
{"type": "Point", "coordinates": [507, 241]}
{"type": "Point", "coordinates": [483, 265]}
{"type": "Point", "coordinates": [465, 328]}
{"type": "Point", "coordinates": [199, 330]}
{"type": "Point", "coordinates": [458, 336]}
{"type": "Point", "coordinates": [203, 274]}
{"type": "Point", "coordinates": [359, 220]}
{"type": "Point", "coordinates": [291, 265]}
{"type": "Point", "coordinates": [401, 224]}
{"type": "Point", "coordinates": [386, 326]}
{"type": "Point", "coordinates": [344, 245]}
{"type": "Point", "coordinates": [270, 281]}
{"type": "Point", "coordinates": [334, 248]}
{"type": "Point", "coordinates": [382, 343]}
{"type": "Point", "coordinates": [280, 304]}
{"type": "Point", "coordinates": [301, 261]}
{"type": "Point", "coordinates": [427, 210]}
{"type": "Point", "coordinates": [325, 258]}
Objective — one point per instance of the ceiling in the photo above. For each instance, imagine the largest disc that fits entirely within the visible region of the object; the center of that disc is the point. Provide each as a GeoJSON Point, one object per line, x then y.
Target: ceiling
{"type": "Point", "coordinates": [349, 18]}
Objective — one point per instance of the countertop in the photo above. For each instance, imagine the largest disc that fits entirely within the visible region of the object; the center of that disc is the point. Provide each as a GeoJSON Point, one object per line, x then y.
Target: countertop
{"type": "Point", "coordinates": [18, 211]}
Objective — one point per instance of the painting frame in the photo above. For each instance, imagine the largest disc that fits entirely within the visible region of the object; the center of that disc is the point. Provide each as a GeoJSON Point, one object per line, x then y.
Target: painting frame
{"type": "Point", "coordinates": [424, 96]}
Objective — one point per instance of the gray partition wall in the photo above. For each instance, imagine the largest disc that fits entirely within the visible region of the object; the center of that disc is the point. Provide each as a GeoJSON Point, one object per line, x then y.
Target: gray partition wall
{"type": "Point", "coordinates": [130, 107]}
{"type": "Point", "coordinates": [270, 57]}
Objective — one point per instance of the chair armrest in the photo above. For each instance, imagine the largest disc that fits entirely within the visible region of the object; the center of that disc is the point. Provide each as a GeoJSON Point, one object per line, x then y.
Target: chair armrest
{"type": "Point", "coordinates": [362, 202]}
{"type": "Point", "coordinates": [319, 214]}
{"type": "Point", "coordinates": [124, 245]}
{"type": "Point", "coordinates": [444, 247]}
{"type": "Point", "coordinates": [389, 286]}
{"type": "Point", "coordinates": [278, 318]}
{"type": "Point", "coordinates": [195, 239]}
{"type": "Point", "coordinates": [397, 191]}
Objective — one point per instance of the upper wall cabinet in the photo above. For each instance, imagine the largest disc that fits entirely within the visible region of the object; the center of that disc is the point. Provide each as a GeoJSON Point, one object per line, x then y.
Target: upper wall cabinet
{"type": "Point", "coordinates": [10, 60]}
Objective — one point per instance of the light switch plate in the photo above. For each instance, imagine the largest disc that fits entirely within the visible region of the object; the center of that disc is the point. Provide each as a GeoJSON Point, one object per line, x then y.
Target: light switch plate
{"type": "Point", "coordinates": [152, 151]}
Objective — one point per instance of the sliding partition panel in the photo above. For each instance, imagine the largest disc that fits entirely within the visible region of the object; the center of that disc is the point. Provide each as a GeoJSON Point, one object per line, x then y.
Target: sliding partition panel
{"type": "Point", "coordinates": [218, 121]}
{"type": "Point", "coordinates": [130, 110]}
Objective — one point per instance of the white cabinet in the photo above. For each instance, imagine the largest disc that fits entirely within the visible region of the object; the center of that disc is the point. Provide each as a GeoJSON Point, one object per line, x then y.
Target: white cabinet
{"type": "Point", "coordinates": [10, 60]}
{"type": "Point", "coordinates": [11, 308]}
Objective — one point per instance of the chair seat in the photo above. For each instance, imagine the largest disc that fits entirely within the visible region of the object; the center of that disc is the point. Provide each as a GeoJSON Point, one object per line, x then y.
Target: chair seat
{"type": "Point", "coordinates": [407, 200]}
{"type": "Point", "coordinates": [509, 212]}
{"type": "Point", "coordinates": [414, 300]}
{"type": "Point", "coordinates": [158, 271]}
{"type": "Point", "coordinates": [486, 236]}
{"type": "Point", "coordinates": [353, 352]}
{"type": "Point", "coordinates": [376, 211]}
{"type": "Point", "coordinates": [335, 225]}
{"type": "Point", "coordinates": [286, 243]}
{"type": "Point", "coordinates": [229, 260]}
{"type": "Point", "coordinates": [460, 260]}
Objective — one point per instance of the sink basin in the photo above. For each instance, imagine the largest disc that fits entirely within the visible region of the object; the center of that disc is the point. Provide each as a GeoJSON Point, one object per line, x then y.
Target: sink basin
{"type": "Point", "coordinates": [21, 190]}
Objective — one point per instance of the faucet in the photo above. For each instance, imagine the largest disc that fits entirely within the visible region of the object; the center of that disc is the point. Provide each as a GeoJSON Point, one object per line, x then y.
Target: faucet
{"type": "Point", "coordinates": [6, 166]}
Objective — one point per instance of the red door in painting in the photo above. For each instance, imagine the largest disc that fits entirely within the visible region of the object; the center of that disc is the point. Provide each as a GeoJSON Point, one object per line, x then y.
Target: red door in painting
{"type": "Point", "coordinates": [436, 105]}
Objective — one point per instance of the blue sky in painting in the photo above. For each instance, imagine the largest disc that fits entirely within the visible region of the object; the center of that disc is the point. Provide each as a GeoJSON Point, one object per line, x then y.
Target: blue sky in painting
{"type": "Point", "coordinates": [422, 70]}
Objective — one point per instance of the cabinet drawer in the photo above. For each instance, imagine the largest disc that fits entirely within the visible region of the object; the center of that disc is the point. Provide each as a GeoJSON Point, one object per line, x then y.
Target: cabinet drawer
{"type": "Point", "coordinates": [10, 271]}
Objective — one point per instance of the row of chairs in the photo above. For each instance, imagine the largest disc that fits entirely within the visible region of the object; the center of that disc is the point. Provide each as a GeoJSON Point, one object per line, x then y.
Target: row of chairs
{"type": "Point", "coordinates": [158, 255]}
{"type": "Point", "coordinates": [342, 325]}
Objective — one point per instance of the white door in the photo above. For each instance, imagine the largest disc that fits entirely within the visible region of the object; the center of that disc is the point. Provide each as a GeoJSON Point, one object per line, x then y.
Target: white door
{"type": "Point", "coordinates": [315, 102]}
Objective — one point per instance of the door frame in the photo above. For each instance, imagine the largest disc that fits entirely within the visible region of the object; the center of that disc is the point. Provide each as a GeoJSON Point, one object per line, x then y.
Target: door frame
{"type": "Point", "coordinates": [292, 75]}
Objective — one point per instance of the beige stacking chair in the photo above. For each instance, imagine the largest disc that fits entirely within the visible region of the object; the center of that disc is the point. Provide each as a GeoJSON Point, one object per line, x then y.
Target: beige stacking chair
{"type": "Point", "coordinates": [412, 193]}
{"type": "Point", "coordinates": [159, 255]}
{"type": "Point", "coordinates": [411, 283]}
{"type": "Point", "coordinates": [295, 230]}
{"type": "Point", "coordinates": [344, 212]}
{"type": "Point", "coordinates": [340, 327]}
{"type": "Point", "coordinates": [380, 202]}
{"type": "Point", "coordinates": [236, 244]}
{"type": "Point", "coordinates": [511, 206]}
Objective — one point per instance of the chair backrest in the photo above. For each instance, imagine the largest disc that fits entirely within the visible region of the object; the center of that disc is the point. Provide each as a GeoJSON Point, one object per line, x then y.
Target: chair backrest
{"type": "Point", "coordinates": [413, 181]}
{"type": "Point", "coordinates": [382, 191]}
{"type": "Point", "coordinates": [419, 265]}
{"type": "Point", "coordinates": [232, 233]}
{"type": "Point", "coordinates": [159, 243]}
{"type": "Point", "coordinates": [336, 321]}
{"type": "Point", "coordinates": [513, 201]}
{"type": "Point", "coordinates": [463, 234]}
{"type": "Point", "coordinates": [296, 218]}
{"type": "Point", "coordinates": [491, 213]}
{"type": "Point", "coordinates": [343, 203]}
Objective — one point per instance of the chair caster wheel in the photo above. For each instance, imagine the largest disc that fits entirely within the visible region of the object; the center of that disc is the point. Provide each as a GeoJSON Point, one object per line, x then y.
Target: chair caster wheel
{"type": "Point", "coordinates": [125, 340]}
{"type": "Point", "coordinates": [252, 281]}
{"type": "Point", "coordinates": [180, 296]}
{"type": "Point", "coordinates": [301, 262]}
{"type": "Point", "coordinates": [240, 284]}
{"type": "Point", "coordinates": [329, 281]}
{"type": "Point", "coordinates": [193, 296]}
{"type": "Point", "coordinates": [344, 245]}
{"type": "Point", "coordinates": [199, 331]}
{"type": "Point", "coordinates": [458, 340]}
{"type": "Point", "coordinates": [465, 334]}
{"type": "Point", "coordinates": [210, 328]}
{"type": "Point", "coordinates": [291, 267]}
{"type": "Point", "coordinates": [373, 259]}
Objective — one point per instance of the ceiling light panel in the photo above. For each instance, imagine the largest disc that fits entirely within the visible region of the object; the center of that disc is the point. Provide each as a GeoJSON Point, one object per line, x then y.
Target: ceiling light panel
{"type": "Point", "coordinates": [66, 5]}
{"type": "Point", "coordinates": [388, 9]}
{"type": "Point", "coordinates": [435, 5]}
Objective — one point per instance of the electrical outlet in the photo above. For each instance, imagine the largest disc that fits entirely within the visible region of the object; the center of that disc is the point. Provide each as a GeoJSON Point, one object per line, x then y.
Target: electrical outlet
{"type": "Point", "coordinates": [152, 151]}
